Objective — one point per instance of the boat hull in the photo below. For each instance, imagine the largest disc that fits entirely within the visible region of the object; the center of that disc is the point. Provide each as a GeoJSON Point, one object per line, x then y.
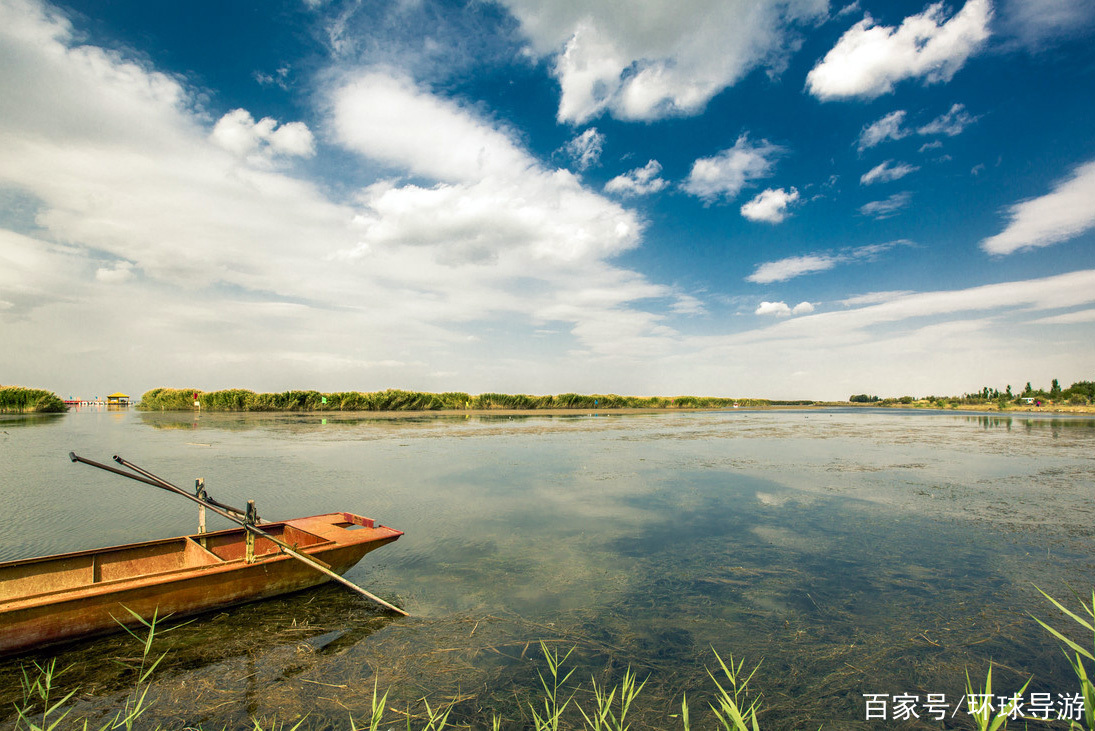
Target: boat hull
{"type": "Point", "coordinates": [58, 598]}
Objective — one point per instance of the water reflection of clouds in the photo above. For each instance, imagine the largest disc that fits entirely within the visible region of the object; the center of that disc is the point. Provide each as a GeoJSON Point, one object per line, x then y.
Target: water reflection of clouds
{"type": "Point", "coordinates": [772, 500]}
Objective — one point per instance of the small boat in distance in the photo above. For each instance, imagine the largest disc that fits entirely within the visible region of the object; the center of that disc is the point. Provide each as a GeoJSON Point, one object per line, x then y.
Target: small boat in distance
{"type": "Point", "coordinates": [71, 595]}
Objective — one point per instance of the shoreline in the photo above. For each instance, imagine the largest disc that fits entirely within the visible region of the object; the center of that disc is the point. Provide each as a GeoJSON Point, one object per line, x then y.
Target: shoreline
{"type": "Point", "coordinates": [401, 413]}
{"type": "Point", "coordinates": [1055, 409]}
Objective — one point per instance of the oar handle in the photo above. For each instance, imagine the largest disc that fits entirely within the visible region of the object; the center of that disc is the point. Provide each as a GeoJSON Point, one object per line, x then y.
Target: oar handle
{"type": "Point", "coordinates": [76, 458]}
{"type": "Point", "coordinates": [150, 481]}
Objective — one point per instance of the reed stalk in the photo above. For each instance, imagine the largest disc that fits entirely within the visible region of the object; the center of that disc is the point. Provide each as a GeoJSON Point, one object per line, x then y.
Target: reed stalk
{"type": "Point", "coordinates": [40, 689]}
{"type": "Point", "coordinates": [553, 708]}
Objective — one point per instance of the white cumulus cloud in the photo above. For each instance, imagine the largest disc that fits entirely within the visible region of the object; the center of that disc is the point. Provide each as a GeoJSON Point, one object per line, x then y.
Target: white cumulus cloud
{"type": "Point", "coordinates": [239, 133]}
{"type": "Point", "coordinates": [1064, 213]}
{"type": "Point", "coordinates": [647, 59]}
{"type": "Point", "coordinates": [640, 181]}
{"type": "Point", "coordinates": [725, 174]}
{"type": "Point", "coordinates": [771, 205]}
{"type": "Point", "coordinates": [777, 309]}
{"type": "Point", "coordinates": [781, 309]}
{"type": "Point", "coordinates": [869, 59]}
{"type": "Point", "coordinates": [388, 118]}
{"type": "Point", "coordinates": [491, 197]}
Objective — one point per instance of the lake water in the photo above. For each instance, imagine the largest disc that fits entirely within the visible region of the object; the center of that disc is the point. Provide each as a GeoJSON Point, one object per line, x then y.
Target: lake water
{"type": "Point", "coordinates": [849, 552]}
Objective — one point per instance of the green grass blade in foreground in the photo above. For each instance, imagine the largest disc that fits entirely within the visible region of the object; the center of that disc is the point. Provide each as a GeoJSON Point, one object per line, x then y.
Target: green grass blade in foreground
{"type": "Point", "coordinates": [1086, 687]}
{"type": "Point", "coordinates": [1078, 619]}
{"type": "Point", "coordinates": [42, 687]}
{"type": "Point", "coordinates": [604, 719]}
{"type": "Point", "coordinates": [727, 706]}
{"type": "Point", "coordinates": [981, 713]}
{"type": "Point", "coordinates": [376, 716]}
{"type": "Point", "coordinates": [553, 710]}
{"type": "Point", "coordinates": [435, 719]}
{"type": "Point", "coordinates": [1088, 692]}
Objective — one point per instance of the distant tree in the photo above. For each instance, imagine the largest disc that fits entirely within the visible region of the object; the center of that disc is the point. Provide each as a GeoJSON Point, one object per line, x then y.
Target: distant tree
{"type": "Point", "coordinates": [1009, 389]}
{"type": "Point", "coordinates": [862, 398]}
{"type": "Point", "coordinates": [1028, 390]}
{"type": "Point", "coordinates": [1055, 389]}
{"type": "Point", "coordinates": [1081, 389]}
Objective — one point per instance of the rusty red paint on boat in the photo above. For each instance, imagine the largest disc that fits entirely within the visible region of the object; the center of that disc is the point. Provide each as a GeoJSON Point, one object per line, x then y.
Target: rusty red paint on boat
{"type": "Point", "coordinates": [56, 598]}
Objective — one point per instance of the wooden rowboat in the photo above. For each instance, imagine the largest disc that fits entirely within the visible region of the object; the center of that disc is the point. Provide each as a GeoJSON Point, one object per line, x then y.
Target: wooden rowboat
{"type": "Point", "coordinates": [66, 596]}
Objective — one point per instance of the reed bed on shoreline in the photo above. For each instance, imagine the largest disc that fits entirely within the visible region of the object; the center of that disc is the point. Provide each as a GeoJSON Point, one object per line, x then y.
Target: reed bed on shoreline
{"type": "Point", "coordinates": [19, 400]}
{"type": "Point", "coordinates": [237, 399]}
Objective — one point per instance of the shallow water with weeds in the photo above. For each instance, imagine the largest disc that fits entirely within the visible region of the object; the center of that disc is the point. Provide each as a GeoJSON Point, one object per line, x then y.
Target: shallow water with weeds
{"type": "Point", "coordinates": [849, 552]}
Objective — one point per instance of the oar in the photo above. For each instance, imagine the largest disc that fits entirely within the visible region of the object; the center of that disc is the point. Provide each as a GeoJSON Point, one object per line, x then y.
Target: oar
{"type": "Point", "coordinates": [145, 480]}
{"type": "Point", "coordinates": [149, 478]}
{"type": "Point", "coordinates": [286, 548]}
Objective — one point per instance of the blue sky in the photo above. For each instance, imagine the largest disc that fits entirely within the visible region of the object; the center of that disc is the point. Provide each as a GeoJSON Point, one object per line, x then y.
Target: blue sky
{"type": "Point", "coordinates": [792, 199]}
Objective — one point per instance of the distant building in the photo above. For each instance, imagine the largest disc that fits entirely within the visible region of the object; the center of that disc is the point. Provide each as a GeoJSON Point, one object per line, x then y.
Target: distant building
{"type": "Point", "coordinates": [117, 399]}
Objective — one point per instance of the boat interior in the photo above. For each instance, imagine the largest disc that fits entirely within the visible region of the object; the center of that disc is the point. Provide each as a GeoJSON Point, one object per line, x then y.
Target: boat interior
{"type": "Point", "coordinates": [22, 579]}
